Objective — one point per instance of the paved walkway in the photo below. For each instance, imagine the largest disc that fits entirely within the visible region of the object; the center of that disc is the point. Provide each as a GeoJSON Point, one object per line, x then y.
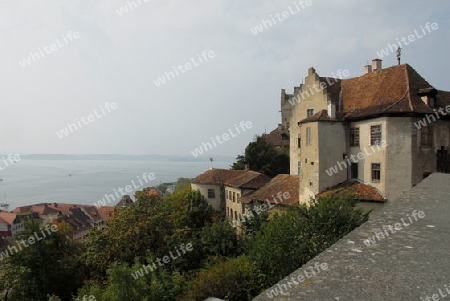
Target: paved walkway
{"type": "Point", "coordinates": [407, 259]}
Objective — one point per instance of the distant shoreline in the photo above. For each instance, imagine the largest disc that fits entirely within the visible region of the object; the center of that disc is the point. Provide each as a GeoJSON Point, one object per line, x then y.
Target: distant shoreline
{"type": "Point", "coordinates": [106, 157]}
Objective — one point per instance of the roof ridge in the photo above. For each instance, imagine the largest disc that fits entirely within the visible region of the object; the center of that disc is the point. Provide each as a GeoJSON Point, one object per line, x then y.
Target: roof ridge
{"type": "Point", "coordinates": [408, 89]}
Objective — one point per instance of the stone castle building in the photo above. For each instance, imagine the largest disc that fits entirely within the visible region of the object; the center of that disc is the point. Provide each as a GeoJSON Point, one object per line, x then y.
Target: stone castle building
{"type": "Point", "coordinates": [387, 129]}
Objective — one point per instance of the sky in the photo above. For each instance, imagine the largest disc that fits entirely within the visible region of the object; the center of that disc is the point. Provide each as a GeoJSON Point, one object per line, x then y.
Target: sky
{"type": "Point", "coordinates": [96, 64]}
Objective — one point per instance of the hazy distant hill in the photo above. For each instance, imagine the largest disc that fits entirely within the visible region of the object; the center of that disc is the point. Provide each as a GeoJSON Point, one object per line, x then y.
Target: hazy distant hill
{"type": "Point", "coordinates": [124, 157]}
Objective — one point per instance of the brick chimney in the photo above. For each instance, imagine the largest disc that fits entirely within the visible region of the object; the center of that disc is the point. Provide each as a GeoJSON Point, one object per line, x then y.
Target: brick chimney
{"type": "Point", "coordinates": [376, 65]}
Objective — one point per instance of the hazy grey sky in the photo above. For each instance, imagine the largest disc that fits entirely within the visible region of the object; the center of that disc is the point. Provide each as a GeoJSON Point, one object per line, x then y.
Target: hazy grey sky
{"type": "Point", "coordinates": [117, 58]}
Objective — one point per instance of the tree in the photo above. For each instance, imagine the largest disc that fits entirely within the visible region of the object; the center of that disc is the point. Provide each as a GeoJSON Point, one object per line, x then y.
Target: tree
{"type": "Point", "coordinates": [182, 183]}
{"type": "Point", "coordinates": [47, 263]}
{"type": "Point", "coordinates": [289, 240]}
{"type": "Point", "coordinates": [235, 279]}
{"type": "Point", "coordinates": [262, 156]}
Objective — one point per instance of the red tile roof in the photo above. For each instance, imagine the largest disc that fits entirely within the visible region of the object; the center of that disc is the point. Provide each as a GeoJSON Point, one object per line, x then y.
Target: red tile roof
{"type": "Point", "coordinates": [276, 136]}
{"type": "Point", "coordinates": [8, 217]}
{"type": "Point", "coordinates": [217, 176]}
{"type": "Point", "coordinates": [391, 90]}
{"type": "Point", "coordinates": [248, 180]}
{"type": "Point", "coordinates": [362, 191]}
{"type": "Point", "coordinates": [319, 116]}
{"type": "Point", "coordinates": [280, 183]}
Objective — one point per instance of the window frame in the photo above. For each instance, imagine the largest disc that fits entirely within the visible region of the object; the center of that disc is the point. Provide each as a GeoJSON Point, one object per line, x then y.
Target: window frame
{"type": "Point", "coordinates": [308, 136]}
{"type": "Point", "coordinates": [373, 135]}
{"type": "Point", "coordinates": [354, 170]}
{"type": "Point", "coordinates": [426, 137]}
{"type": "Point", "coordinates": [374, 171]}
{"type": "Point", "coordinates": [211, 191]}
{"type": "Point", "coordinates": [355, 136]}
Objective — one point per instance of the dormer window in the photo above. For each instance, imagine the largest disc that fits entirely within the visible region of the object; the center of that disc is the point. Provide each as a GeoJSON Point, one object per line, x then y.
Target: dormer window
{"type": "Point", "coordinates": [431, 101]}
{"type": "Point", "coordinates": [428, 96]}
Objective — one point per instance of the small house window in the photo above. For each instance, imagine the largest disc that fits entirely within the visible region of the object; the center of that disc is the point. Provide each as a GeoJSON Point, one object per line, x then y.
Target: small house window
{"type": "Point", "coordinates": [309, 112]}
{"type": "Point", "coordinates": [211, 194]}
{"type": "Point", "coordinates": [426, 136]}
{"type": "Point", "coordinates": [308, 136]}
{"type": "Point", "coordinates": [354, 170]}
{"type": "Point", "coordinates": [375, 134]}
{"type": "Point", "coordinates": [376, 172]}
{"type": "Point", "coordinates": [354, 136]}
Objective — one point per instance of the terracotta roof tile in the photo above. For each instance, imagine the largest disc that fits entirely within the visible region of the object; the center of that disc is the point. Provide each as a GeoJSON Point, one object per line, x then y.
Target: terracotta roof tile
{"type": "Point", "coordinates": [319, 116]}
{"type": "Point", "coordinates": [390, 90]}
{"type": "Point", "coordinates": [248, 179]}
{"type": "Point", "coordinates": [217, 176]}
{"type": "Point", "coordinates": [276, 136]}
{"type": "Point", "coordinates": [280, 183]}
{"type": "Point", "coordinates": [362, 191]}
{"type": "Point", "coordinates": [8, 217]}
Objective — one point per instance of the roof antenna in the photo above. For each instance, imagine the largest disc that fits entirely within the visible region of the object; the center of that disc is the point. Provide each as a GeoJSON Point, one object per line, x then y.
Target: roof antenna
{"type": "Point", "coordinates": [211, 161]}
{"type": "Point", "coordinates": [399, 54]}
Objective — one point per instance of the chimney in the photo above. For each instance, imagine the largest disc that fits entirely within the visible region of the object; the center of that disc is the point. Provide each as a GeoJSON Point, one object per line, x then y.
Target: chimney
{"type": "Point", "coordinates": [367, 69]}
{"type": "Point", "coordinates": [331, 110]}
{"type": "Point", "coordinates": [246, 167]}
{"type": "Point", "coordinates": [376, 65]}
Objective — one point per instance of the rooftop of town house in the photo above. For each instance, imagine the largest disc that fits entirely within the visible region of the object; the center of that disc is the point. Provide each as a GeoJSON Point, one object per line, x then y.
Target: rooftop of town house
{"type": "Point", "coordinates": [322, 115]}
{"type": "Point", "coordinates": [248, 180]}
{"type": "Point", "coordinates": [280, 183]}
{"type": "Point", "coordinates": [393, 91]}
{"type": "Point", "coordinates": [407, 265]}
{"type": "Point", "coordinates": [279, 136]}
{"type": "Point", "coordinates": [362, 191]}
{"type": "Point", "coordinates": [153, 191]}
{"type": "Point", "coordinates": [7, 217]}
{"type": "Point", "coordinates": [125, 200]}
{"type": "Point", "coordinates": [41, 209]}
{"type": "Point", "coordinates": [387, 91]}
{"type": "Point", "coordinates": [222, 176]}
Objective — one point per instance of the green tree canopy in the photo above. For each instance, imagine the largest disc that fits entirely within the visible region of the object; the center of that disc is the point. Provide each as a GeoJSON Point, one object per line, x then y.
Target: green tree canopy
{"type": "Point", "coordinates": [262, 156]}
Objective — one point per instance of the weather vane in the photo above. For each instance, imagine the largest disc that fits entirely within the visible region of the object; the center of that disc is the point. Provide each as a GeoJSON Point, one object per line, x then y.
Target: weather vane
{"type": "Point", "coordinates": [399, 54]}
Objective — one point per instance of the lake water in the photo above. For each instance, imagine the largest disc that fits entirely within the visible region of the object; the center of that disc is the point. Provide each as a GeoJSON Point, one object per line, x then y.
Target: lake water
{"type": "Point", "coordinates": [34, 181]}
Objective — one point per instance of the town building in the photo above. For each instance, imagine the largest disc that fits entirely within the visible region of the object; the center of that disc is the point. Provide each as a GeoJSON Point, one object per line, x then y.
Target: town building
{"type": "Point", "coordinates": [277, 195]}
{"type": "Point", "coordinates": [10, 224]}
{"type": "Point", "coordinates": [387, 129]}
{"type": "Point", "coordinates": [223, 187]}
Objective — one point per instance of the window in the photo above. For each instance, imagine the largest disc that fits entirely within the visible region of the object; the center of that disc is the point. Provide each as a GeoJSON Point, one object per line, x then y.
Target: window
{"type": "Point", "coordinates": [376, 172]}
{"type": "Point", "coordinates": [211, 194]}
{"type": "Point", "coordinates": [235, 215]}
{"type": "Point", "coordinates": [229, 195]}
{"type": "Point", "coordinates": [234, 196]}
{"type": "Point", "coordinates": [238, 195]}
{"type": "Point", "coordinates": [426, 136]}
{"type": "Point", "coordinates": [299, 167]}
{"type": "Point", "coordinates": [354, 170]}
{"type": "Point", "coordinates": [309, 112]}
{"type": "Point", "coordinates": [354, 136]}
{"type": "Point", "coordinates": [299, 140]}
{"type": "Point", "coordinates": [375, 135]}
{"type": "Point", "coordinates": [308, 136]}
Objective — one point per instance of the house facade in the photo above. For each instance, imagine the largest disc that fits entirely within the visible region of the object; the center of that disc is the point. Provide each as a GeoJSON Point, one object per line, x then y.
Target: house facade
{"type": "Point", "coordinates": [221, 186]}
{"type": "Point", "coordinates": [277, 195]}
{"type": "Point", "coordinates": [10, 224]}
{"type": "Point", "coordinates": [388, 129]}
{"type": "Point", "coordinates": [240, 186]}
